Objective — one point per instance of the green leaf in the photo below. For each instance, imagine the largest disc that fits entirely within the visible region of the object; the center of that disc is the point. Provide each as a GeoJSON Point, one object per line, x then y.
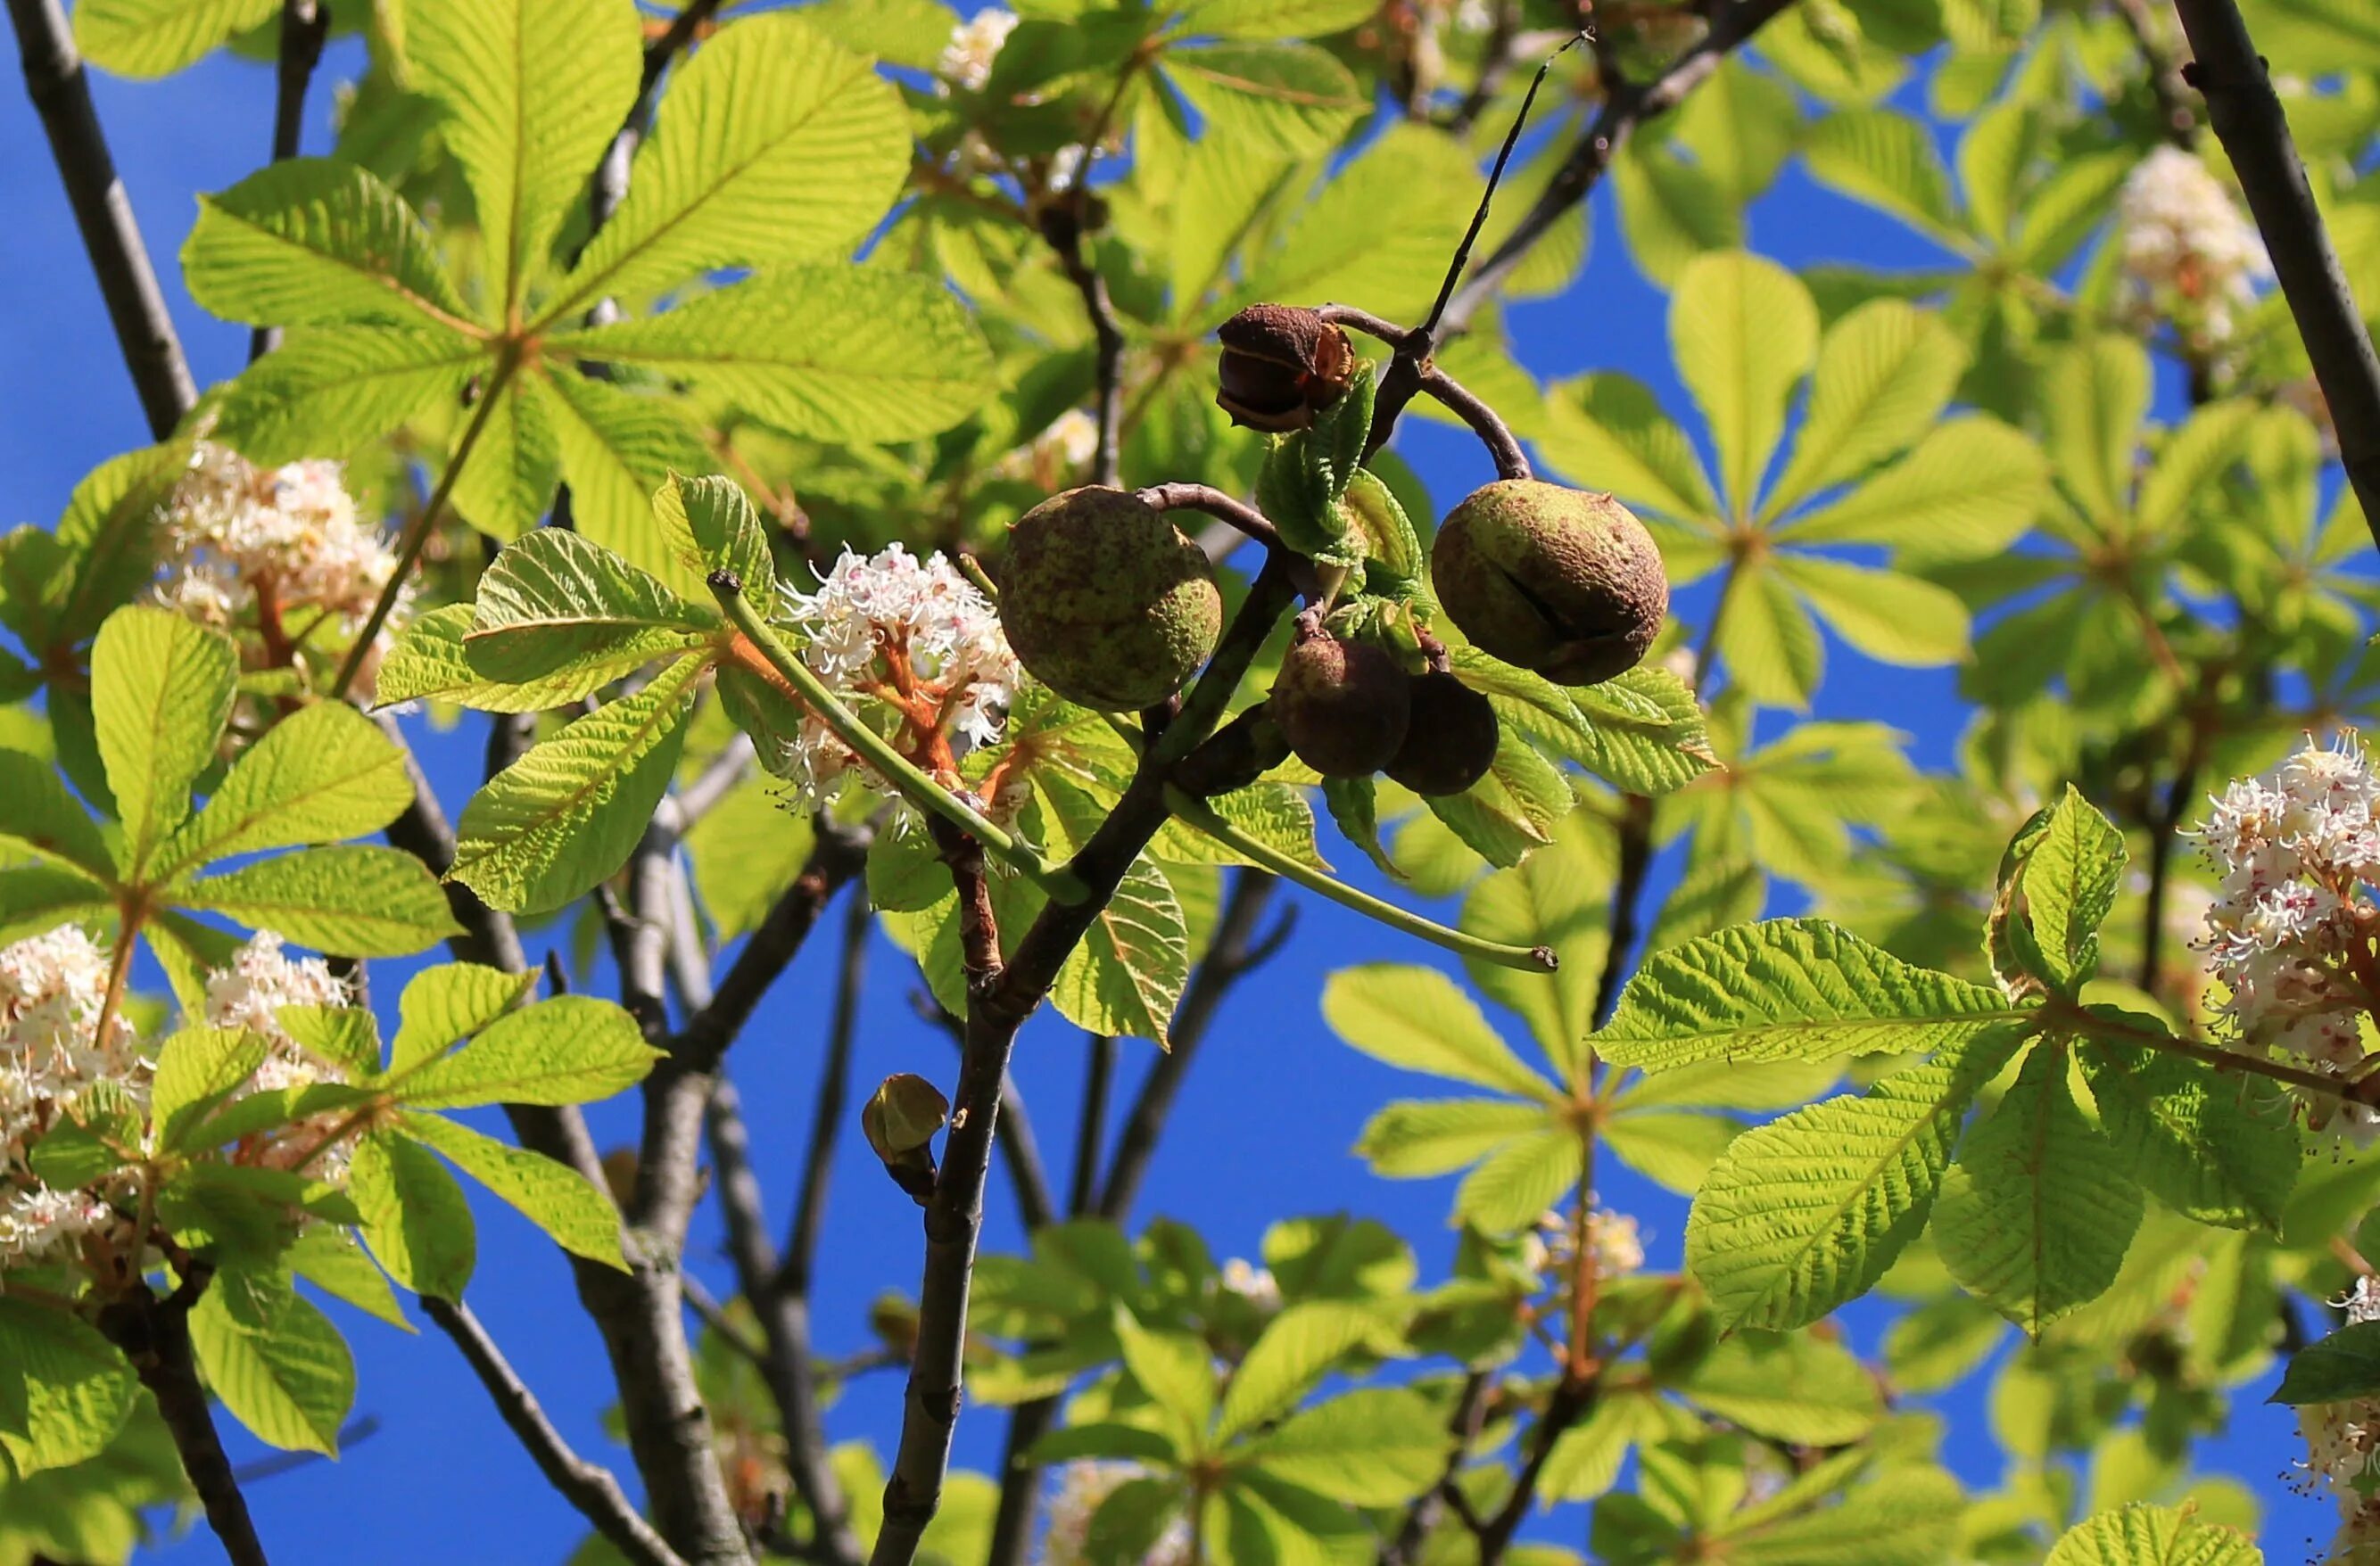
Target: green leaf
{"type": "Point", "coordinates": [2202, 1142]}
{"type": "Point", "coordinates": [1285, 97]}
{"type": "Point", "coordinates": [45, 820]}
{"type": "Point", "coordinates": [1789, 989]}
{"type": "Point", "coordinates": [1887, 160]}
{"type": "Point", "coordinates": [1558, 900]}
{"type": "Point", "coordinates": [160, 691]}
{"type": "Point", "coordinates": [1419, 1019]}
{"type": "Point", "coordinates": [571, 617]}
{"type": "Point", "coordinates": [1585, 1460]}
{"type": "Point", "coordinates": [275, 1360]}
{"type": "Point", "coordinates": [1672, 210]}
{"type": "Point", "coordinates": [710, 526]}
{"type": "Point", "coordinates": [1377, 235]}
{"type": "Point", "coordinates": [348, 1036]}
{"type": "Point", "coordinates": [531, 91]}
{"type": "Point", "coordinates": [579, 1217]}
{"type": "Point", "coordinates": [1378, 1447]}
{"type": "Point", "coordinates": [1522, 1181]}
{"type": "Point", "coordinates": [1907, 1515]}
{"type": "Point", "coordinates": [2192, 463]}
{"type": "Point", "coordinates": [1295, 1350]}
{"type": "Point", "coordinates": [324, 772]}
{"type": "Point", "coordinates": [1126, 977]}
{"type": "Point", "coordinates": [1608, 431]}
{"type": "Point", "coordinates": [1969, 489]}
{"type": "Point", "coordinates": [618, 445]}
{"type": "Point", "coordinates": [357, 900]}
{"type": "Point", "coordinates": [448, 1002]}
{"type": "Point", "coordinates": [1510, 813]}
{"type": "Point", "coordinates": [1743, 330]}
{"type": "Point", "coordinates": [1276, 19]}
{"type": "Point", "coordinates": [1798, 1388]}
{"type": "Point", "coordinates": [1354, 807]}
{"type": "Point", "coordinates": [1804, 1214]}
{"type": "Point", "coordinates": [1768, 640]}
{"type": "Point", "coordinates": [1892, 617]}
{"type": "Point", "coordinates": [415, 1216]}
{"type": "Point", "coordinates": [155, 38]}
{"type": "Point", "coordinates": [2142, 1535]}
{"type": "Point", "coordinates": [1410, 1138]}
{"type": "Point", "coordinates": [64, 1391]}
{"type": "Point", "coordinates": [508, 482]}
{"type": "Point", "coordinates": [2069, 882]}
{"type": "Point", "coordinates": [1673, 1151]}
{"type": "Point", "coordinates": [1885, 373]}
{"type": "Point", "coordinates": [567, 814]}
{"type": "Point", "coordinates": [774, 144]}
{"type": "Point", "coordinates": [335, 389]}
{"type": "Point", "coordinates": [2035, 1217]}
{"type": "Point", "coordinates": [843, 354]}
{"type": "Point", "coordinates": [2093, 396]}
{"type": "Point", "coordinates": [310, 241]}
{"type": "Point", "coordinates": [195, 1068]}
{"type": "Point", "coordinates": [67, 1156]}
{"type": "Point", "coordinates": [1645, 732]}
{"type": "Point", "coordinates": [1176, 1371]}
{"type": "Point", "coordinates": [330, 1258]}
{"type": "Point", "coordinates": [428, 663]}
{"type": "Point", "coordinates": [570, 1049]}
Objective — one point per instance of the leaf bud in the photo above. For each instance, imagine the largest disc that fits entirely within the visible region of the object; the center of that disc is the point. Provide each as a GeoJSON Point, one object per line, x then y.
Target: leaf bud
{"type": "Point", "coordinates": [899, 1122]}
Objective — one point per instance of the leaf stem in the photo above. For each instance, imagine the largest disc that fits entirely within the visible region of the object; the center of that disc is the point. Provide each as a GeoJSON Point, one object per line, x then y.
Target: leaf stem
{"type": "Point", "coordinates": [416, 533]}
{"type": "Point", "coordinates": [897, 768]}
{"type": "Point", "coordinates": [1197, 813]}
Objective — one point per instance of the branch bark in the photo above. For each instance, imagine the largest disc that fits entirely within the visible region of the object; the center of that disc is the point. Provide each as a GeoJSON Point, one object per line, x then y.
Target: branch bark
{"type": "Point", "coordinates": [590, 1487]}
{"type": "Point", "coordinates": [304, 25]}
{"type": "Point", "coordinates": [144, 331]}
{"type": "Point", "coordinates": [2247, 118]}
{"type": "Point", "coordinates": [154, 1334]}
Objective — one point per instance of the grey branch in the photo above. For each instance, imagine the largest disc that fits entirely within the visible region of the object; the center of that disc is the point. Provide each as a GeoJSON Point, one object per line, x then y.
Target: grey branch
{"type": "Point", "coordinates": [590, 1487]}
{"type": "Point", "coordinates": [304, 25]}
{"type": "Point", "coordinates": [154, 1334]}
{"type": "Point", "coordinates": [2247, 117]}
{"type": "Point", "coordinates": [144, 331]}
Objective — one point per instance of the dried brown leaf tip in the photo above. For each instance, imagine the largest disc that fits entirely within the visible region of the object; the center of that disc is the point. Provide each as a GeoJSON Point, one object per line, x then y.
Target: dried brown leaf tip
{"type": "Point", "coordinates": [1281, 364]}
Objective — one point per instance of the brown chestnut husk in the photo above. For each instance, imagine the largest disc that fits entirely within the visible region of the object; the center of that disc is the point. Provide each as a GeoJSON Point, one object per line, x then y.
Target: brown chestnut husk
{"type": "Point", "coordinates": [1343, 706]}
{"type": "Point", "coordinates": [1561, 581]}
{"type": "Point", "coordinates": [1281, 365]}
{"type": "Point", "coordinates": [1451, 736]}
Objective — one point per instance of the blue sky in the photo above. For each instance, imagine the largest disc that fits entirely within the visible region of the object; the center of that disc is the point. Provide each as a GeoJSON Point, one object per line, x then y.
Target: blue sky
{"type": "Point", "coordinates": [1262, 1127]}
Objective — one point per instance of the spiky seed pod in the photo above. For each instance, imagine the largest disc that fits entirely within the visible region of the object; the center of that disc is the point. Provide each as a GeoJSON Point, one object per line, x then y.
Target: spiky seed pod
{"type": "Point", "coordinates": [1342, 705]}
{"type": "Point", "coordinates": [1105, 601]}
{"type": "Point", "coordinates": [1562, 581]}
{"type": "Point", "coordinates": [1280, 364]}
{"type": "Point", "coordinates": [1450, 738]}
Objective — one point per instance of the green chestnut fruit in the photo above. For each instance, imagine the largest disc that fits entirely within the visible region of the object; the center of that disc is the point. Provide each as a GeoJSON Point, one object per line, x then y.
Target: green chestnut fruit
{"type": "Point", "coordinates": [1106, 602]}
{"type": "Point", "coordinates": [1450, 738]}
{"type": "Point", "coordinates": [1561, 581]}
{"type": "Point", "coordinates": [1342, 705]}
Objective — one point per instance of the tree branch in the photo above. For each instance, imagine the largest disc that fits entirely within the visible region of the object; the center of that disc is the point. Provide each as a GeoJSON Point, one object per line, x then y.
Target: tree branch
{"type": "Point", "coordinates": [590, 1487]}
{"type": "Point", "coordinates": [144, 331]}
{"type": "Point", "coordinates": [1627, 896]}
{"type": "Point", "coordinates": [1421, 1518]}
{"type": "Point", "coordinates": [1061, 226]}
{"type": "Point", "coordinates": [304, 25]}
{"type": "Point", "coordinates": [2247, 117]}
{"type": "Point", "coordinates": [154, 1334]}
{"type": "Point", "coordinates": [838, 854]}
{"type": "Point", "coordinates": [1091, 1130]}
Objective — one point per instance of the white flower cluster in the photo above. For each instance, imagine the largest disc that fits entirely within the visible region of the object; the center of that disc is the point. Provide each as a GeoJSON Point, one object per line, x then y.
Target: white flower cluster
{"type": "Point", "coordinates": [1253, 1284]}
{"type": "Point", "coordinates": [2289, 933]}
{"type": "Point", "coordinates": [2343, 1451]}
{"type": "Point", "coordinates": [916, 633]}
{"type": "Point", "coordinates": [284, 542]}
{"type": "Point", "coordinates": [53, 1056]}
{"type": "Point", "coordinates": [1081, 1487]}
{"type": "Point", "coordinates": [974, 45]}
{"type": "Point", "coordinates": [2190, 254]}
{"type": "Point", "coordinates": [52, 988]}
{"type": "Point", "coordinates": [1618, 1249]}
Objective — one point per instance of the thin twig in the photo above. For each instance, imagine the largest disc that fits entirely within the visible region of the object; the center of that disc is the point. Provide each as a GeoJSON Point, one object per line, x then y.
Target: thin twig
{"type": "Point", "coordinates": [304, 25]}
{"type": "Point", "coordinates": [136, 306]}
{"type": "Point", "coordinates": [1091, 1129]}
{"type": "Point", "coordinates": [1020, 1149]}
{"type": "Point", "coordinates": [590, 1487]}
{"type": "Point", "coordinates": [2165, 830]}
{"type": "Point", "coordinates": [1495, 61]}
{"type": "Point", "coordinates": [713, 1315]}
{"type": "Point", "coordinates": [1214, 503]}
{"type": "Point", "coordinates": [1485, 422]}
{"type": "Point", "coordinates": [833, 1097]}
{"type": "Point", "coordinates": [1627, 896]}
{"type": "Point", "coordinates": [1421, 1518]}
{"type": "Point", "coordinates": [2179, 122]}
{"type": "Point", "coordinates": [154, 1334]}
{"type": "Point", "coordinates": [838, 854]}
{"type": "Point", "coordinates": [2248, 120]}
{"type": "Point", "coordinates": [1061, 226]}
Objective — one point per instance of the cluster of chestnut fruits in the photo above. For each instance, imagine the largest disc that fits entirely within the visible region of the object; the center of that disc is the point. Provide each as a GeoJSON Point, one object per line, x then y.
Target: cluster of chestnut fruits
{"type": "Point", "coordinates": [1110, 605]}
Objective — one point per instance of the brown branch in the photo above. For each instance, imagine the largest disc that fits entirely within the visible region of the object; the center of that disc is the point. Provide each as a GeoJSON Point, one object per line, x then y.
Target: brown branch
{"type": "Point", "coordinates": [110, 237]}
{"type": "Point", "coordinates": [2179, 122]}
{"type": "Point", "coordinates": [304, 25]}
{"type": "Point", "coordinates": [1627, 896]}
{"type": "Point", "coordinates": [1485, 422]}
{"type": "Point", "coordinates": [154, 1334]}
{"type": "Point", "coordinates": [1061, 226]}
{"type": "Point", "coordinates": [1421, 1518]}
{"type": "Point", "coordinates": [1214, 503]}
{"type": "Point", "coordinates": [833, 1096]}
{"type": "Point", "coordinates": [1091, 1130]}
{"type": "Point", "coordinates": [1019, 1148]}
{"type": "Point", "coordinates": [2248, 120]}
{"type": "Point", "coordinates": [590, 1487]}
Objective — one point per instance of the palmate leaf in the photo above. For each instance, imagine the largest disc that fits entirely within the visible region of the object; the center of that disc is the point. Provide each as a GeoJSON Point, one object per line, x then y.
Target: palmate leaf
{"type": "Point", "coordinates": [1522, 1181]}
{"type": "Point", "coordinates": [529, 92]}
{"type": "Point", "coordinates": [160, 691]}
{"type": "Point", "coordinates": [618, 448]}
{"type": "Point", "coordinates": [1286, 97]}
{"type": "Point", "coordinates": [2037, 1215]}
{"type": "Point", "coordinates": [1378, 1447]}
{"type": "Point", "coordinates": [415, 1216]}
{"type": "Point", "coordinates": [836, 353]}
{"type": "Point", "coordinates": [1805, 1213]}
{"type": "Point", "coordinates": [1611, 426]}
{"type": "Point", "coordinates": [1377, 233]}
{"type": "Point", "coordinates": [1558, 898]}
{"type": "Point", "coordinates": [1510, 813]}
{"type": "Point", "coordinates": [710, 526]}
{"type": "Point", "coordinates": [64, 1391]}
{"type": "Point", "coordinates": [1745, 331]}
{"type": "Point", "coordinates": [2070, 874]}
{"type": "Point", "coordinates": [1968, 489]}
{"type": "Point", "coordinates": [1887, 160]}
{"type": "Point", "coordinates": [1671, 210]}
{"type": "Point", "coordinates": [573, 1214]}
{"type": "Point", "coordinates": [1789, 989]}
{"type": "Point", "coordinates": [448, 1002]}
{"type": "Point", "coordinates": [310, 241]}
{"type": "Point", "coordinates": [1126, 977]}
{"type": "Point", "coordinates": [567, 815]}
{"type": "Point", "coordinates": [1292, 1354]}
{"type": "Point", "coordinates": [153, 38]}
{"type": "Point", "coordinates": [276, 1361]}
{"type": "Point", "coordinates": [324, 772]}
{"type": "Point", "coordinates": [1885, 373]}
{"type": "Point", "coordinates": [429, 664]}
{"type": "Point", "coordinates": [1274, 19]}
{"type": "Point", "coordinates": [1412, 1138]}
{"type": "Point", "coordinates": [570, 1049]}
{"type": "Point", "coordinates": [508, 481]}
{"type": "Point", "coordinates": [359, 899]}
{"type": "Point", "coordinates": [2203, 1144]}
{"type": "Point", "coordinates": [1790, 1388]}
{"type": "Point", "coordinates": [774, 144]}
{"type": "Point", "coordinates": [333, 389]}
{"type": "Point", "coordinates": [571, 617]}
{"type": "Point", "coordinates": [1419, 1019]}
{"type": "Point", "coordinates": [2142, 1535]}
{"type": "Point", "coordinates": [43, 820]}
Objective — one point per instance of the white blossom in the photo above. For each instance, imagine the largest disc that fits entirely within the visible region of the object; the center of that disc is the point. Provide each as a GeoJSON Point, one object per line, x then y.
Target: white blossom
{"type": "Point", "coordinates": [249, 994]}
{"type": "Point", "coordinates": [1081, 1487]}
{"type": "Point", "coordinates": [53, 1054]}
{"type": "Point", "coordinates": [890, 624]}
{"type": "Point", "coordinates": [975, 43]}
{"type": "Point", "coordinates": [1618, 1249]}
{"type": "Point", "coordinates": [239, 540]}
{"type": "Point", "coordinates": [2190, 254]}
{"type": "Point", "coordinates": [1253, 1284]}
